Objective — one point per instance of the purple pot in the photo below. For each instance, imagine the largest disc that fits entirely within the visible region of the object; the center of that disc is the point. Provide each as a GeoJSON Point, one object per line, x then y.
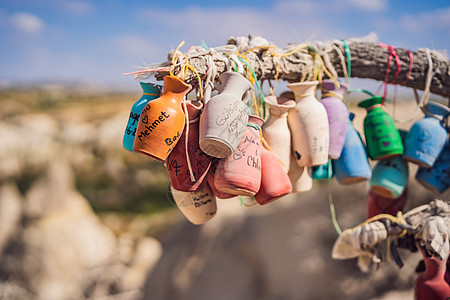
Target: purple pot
{"type": "Point", "coordinates": [332, 99]}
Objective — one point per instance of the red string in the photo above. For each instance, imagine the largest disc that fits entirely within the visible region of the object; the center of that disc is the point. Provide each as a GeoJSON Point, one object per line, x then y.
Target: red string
{"type": "Point", "coordinates": [410, 67]}
{"type": "Point", "coordinates": [392, 55]}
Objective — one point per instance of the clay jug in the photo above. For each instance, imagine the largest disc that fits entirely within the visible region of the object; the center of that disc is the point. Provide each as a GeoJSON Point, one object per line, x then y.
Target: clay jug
{"type": "Point", "coordinates": [276, 130]}
{"type": "Point", "coordinates": [199, 206]}
{"type": "Point", "coordinates": [431, 285]}
{"type": "Point", "coordinates": [240, 173]}
{"type": "Point", "coordinates": [427, 137]}
{"type": "Point", "coordinates": [308, 123]}
{"type": "Point", "coordinates": [437, 178]}
{"type": "Point", "coordinates": [300, 178]}
{"type": "Point", "coordinates": [382, 137]}
{"type": "Point", "coordinates": [275, 182]}
{"type": "Point", "coordinates": [353, 165]}
{"type": "Point", "coordinates": [224, 118]}
{"type": "Point", "coordinates": [150, 92]}
{"type": "Point", "coordinates": [323, 171]}
{"type": "Point", "coordinates": [390, 177]}
{"type": "Point", "coordinates": [332, 99]}
{"type": "Point", "coordinates": [210, 178]}
{"type": "Point", "coordinates": [377, 204]}
{"type": "Point", "coordinates": [161, 122]}
{"type": "Point", "coordinates": [177, 165]}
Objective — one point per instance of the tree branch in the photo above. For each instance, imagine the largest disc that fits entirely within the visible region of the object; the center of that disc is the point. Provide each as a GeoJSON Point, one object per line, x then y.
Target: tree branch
{"type": "Point", "coordinates": [368, 60]}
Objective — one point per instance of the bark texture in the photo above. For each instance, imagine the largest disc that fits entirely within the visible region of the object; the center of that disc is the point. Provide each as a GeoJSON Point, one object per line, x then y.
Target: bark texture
{"type": "Point", "coordinates": [368, 60]}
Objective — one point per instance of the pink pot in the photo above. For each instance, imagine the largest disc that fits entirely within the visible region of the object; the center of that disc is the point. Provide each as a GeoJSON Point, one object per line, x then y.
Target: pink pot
{"type": "Point", "coordinates": [240, 173]}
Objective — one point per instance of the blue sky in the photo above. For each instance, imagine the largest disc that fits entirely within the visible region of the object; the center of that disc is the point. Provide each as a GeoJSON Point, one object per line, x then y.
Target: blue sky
{"type": "Point", "coordinates": [97, 41]}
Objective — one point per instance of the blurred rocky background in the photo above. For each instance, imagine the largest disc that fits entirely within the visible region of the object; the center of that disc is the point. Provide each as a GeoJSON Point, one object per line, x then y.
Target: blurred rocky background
{"type": "Point", "coordinates": [81, 218]}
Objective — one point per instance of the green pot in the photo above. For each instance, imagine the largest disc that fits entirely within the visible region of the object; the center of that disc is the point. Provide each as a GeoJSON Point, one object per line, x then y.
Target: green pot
{"type": "Point", "coordinates": [382, 137]}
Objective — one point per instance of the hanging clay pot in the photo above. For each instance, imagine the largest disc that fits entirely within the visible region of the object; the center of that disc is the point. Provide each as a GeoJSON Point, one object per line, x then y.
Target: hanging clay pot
{"type": "Point", "coordinates": [210, 178]}
{"type": "Point", "coordinates": [382, 137]}
{"type": "Point", "coordinates": [275, 182]}
{"type": "Point", "coordinates": [177, 164]}
{"type": "Point", "coordinates": [224, 118]}
{"type": "Point", "coordinates": [323, 171]}
{"type": "Point", "coordinates": [332, 99]}
{"type": "Point", "coordinates": [300, 178]}
{"type": "Point", "coordinates": [431, 285]}
{"type": "Point", "coordinates": [390, 177]}
{"type": "Point", "coordinates": [199, 206]}
{"type": "Point", "coordinates": [240, 173]}
{"type": "Point", "coordinates": [377, 204]}
{"type": "Point", "coordinates": [276, 131]}
{"type": "Point", "coordinates": [308, 123]}
{"type": "Point", "coordinates": [352, 166]}
{"type": "Point", "coordinates": [437, 178]}
{"type": "Point", "coordinates": [427, 137]}
{"type": "Point", "coordinates": [161, 122]}
{"type": "Point", "coordinates": [150, 92]}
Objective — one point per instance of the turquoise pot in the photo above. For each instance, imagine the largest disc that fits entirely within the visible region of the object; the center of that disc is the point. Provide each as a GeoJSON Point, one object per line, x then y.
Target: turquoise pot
{"type": "Point", "coordinates": [150, 92]}
{"type": "Point", "coordinates": [437, 178]}
{"type": "Point", "coordinates": [390, 177]}
{"type": "Point", "coordinates": [352, 166]}
{"type": "Point", "coordinates": [427, 137]}
{"type": "Point", "coordinates": [323, 171]}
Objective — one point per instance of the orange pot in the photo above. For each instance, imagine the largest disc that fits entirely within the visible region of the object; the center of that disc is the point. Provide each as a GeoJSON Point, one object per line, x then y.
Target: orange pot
{"type": "Point", "coordinates": [162, 121]}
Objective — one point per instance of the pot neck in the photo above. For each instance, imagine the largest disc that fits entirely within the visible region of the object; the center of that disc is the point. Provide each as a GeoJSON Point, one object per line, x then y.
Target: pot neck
{"type": "Point", "coordinates": [435, 267]}
{"type": "Point", "coordinates": [375, 107]}
{"type": "Point", "coordinates": [234, 83]}
{"type": "Point", "coordinates": [175, 85]}
{"type": "Point", "coordinates": [303, 89]}
{"type": "Point", "coordinates": [150, 89]}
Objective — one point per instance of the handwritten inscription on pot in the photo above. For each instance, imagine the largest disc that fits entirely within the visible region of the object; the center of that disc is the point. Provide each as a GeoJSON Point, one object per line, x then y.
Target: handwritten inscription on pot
{"type": "Point", "coordinates": [201, 199]}
{"type": "Point", "coordinates": [231, 118]}
{"type": "Point", "coordinates": [150, 127]}
{"type": "Point", "coordinates": [252, 159]}
{"type": "Point", "coordinates": [173, 166]}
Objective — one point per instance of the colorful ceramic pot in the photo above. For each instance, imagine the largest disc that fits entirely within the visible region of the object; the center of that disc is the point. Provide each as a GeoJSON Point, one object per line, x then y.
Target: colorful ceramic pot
{"type": "Point", "coordinates": [377, 204]}
{"type": "Point", "coordinates": [300, 178]}
{"type": "Point", "coordinates": [323, 171]}
{"type": "Point", "coordinates": [308, 123]}
{"type": "Point", "coordinates": [431, 285]}
{"type": "Point", "coordinates": [161, 122]}
{"type": "Point", "coordinates": [224, 118]}
{"type": "Point", "coordinates": [182, 177]}
{"type": "Point", "coordinates": [337, 115]}
{"type": "Point", "coordinates": [276, 130]}
{"type": "Point", "coordinates": [198, 207]}
{"type": "Point", "coordinates": [150, 92]}
{"type": "Point", "coordinates": [427, 137]}
{"type": "Point", "coordinates": [352, 166]}
{"type": "Point", "coordinates": [240, 173]}
{"type": "Point", "coordinates": [390, 177]}
{"type": "Point", "coordinates": [382, 137]}
{"type": "Point", "coordinates": [210, 178]}
{"type": "Point", "coordinates": [275, 182]}
{"type": "Point", "coordinates": [437, 178]}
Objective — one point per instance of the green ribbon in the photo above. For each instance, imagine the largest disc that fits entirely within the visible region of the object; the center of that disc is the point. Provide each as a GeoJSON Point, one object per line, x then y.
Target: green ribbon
{"type": "Point", "coordinates": [261, 94]}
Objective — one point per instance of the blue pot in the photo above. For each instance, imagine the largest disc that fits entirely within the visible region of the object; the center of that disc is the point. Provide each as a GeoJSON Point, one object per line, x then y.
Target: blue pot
{"type": "Point", "coordinates": [427, 137]}
{"type": "Point", "coordinates": [437, 178]}
{"type": "Point", "coordinates": [150, 91]}
{"type": "Point", "coordinates": [352, 166]}
{"type": "Point", "coordinates": [390, 177]}
{"type": "Point", "coordinates": [323, 171]}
